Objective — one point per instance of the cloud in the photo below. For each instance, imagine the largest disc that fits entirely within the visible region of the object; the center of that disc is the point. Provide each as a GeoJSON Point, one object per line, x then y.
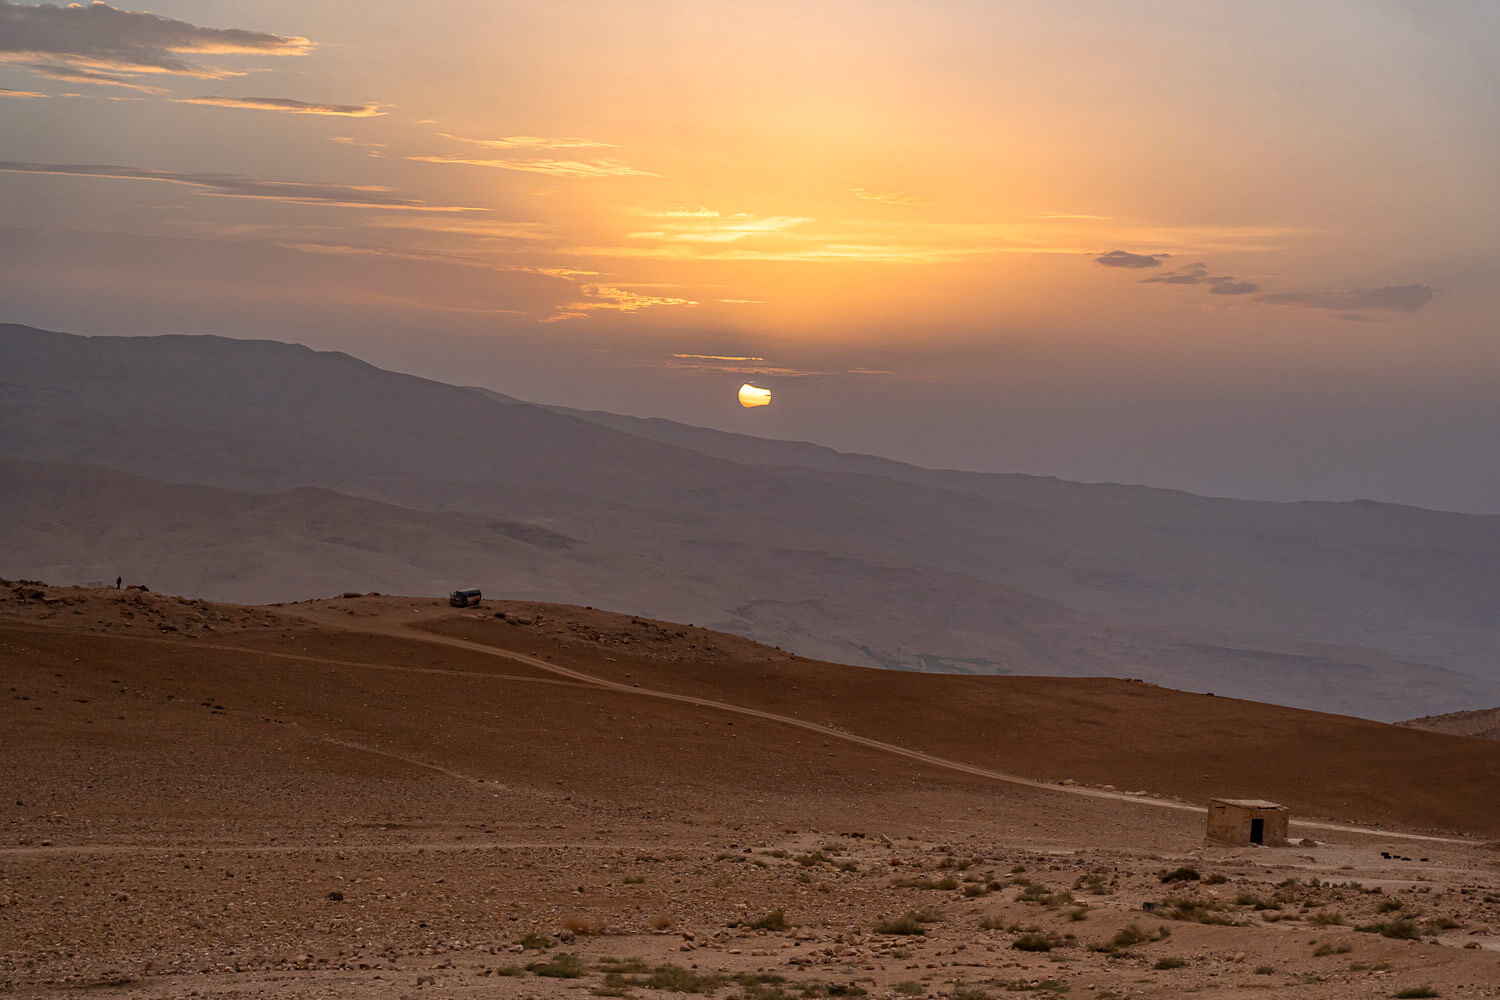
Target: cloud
{"type": "Point", "coordinates": [20, 93]}
{"type": "Point", "coordinates": [1124, 258]}
{"type": "Point", "coordinates": [608, 298]}
{"type": "Point", "coordinates": [1347, 303]}
{"type": "Point", "coordinates": [553, 168]}
{"type": "Point", "coordinates": [717, 357]}
{"type": "Point", "coordinates": [469, 228]}
{"type": "Point", "coordinates": [1190, 274]}
{"type": "Point", "coordinates": [531, 142]}
{"type": "Point", "coordinates": [891, 198]}
{"type": "Point", "coordinates": [235, 186]}
{"type": "Point", "coordinates": [1197, 274]}
{"type": "Point", "coordinates": [288, 105]}
{"type": "Point", "coordinates": [697, 227]}
{"type": "Point", "coordinates": [74, 74]}
{"type": "Point", "coordinates": [99, 37]}
{"type": "Point", "coordinates": [1395, 298]}
{"type": "Point", "coordinates": [730, 364]}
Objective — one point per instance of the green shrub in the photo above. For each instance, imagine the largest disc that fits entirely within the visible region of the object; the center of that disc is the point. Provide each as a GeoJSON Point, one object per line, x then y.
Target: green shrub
{"type": "Point", "coordinates": [947, 882]}
{"type": "Point", "coordinates": [536, 941]}
{"type": "Point", "coordinates": [679, 980]}
{"type": "Point", "coordinates": [559, 966]}
{"type": "Point", "coordinates": [1036, 941]}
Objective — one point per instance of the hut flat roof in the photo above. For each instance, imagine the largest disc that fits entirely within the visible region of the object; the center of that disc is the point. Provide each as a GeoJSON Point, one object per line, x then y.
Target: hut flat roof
{"type": "Point", "coordinates": [1250, 803]}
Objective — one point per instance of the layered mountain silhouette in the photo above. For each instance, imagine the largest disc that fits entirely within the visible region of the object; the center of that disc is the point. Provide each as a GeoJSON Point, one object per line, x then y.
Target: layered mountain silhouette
{"type": "Point", "coordinates": [256, 471]}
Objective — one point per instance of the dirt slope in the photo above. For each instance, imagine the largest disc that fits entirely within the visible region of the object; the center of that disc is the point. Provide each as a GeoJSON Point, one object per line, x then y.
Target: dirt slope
{"type": "Point", "coordinates": [320, 800]}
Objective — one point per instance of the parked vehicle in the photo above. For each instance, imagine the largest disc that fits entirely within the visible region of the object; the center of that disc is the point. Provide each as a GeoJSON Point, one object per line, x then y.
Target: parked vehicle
{"type": "Point", "coordinates": [465, 598]}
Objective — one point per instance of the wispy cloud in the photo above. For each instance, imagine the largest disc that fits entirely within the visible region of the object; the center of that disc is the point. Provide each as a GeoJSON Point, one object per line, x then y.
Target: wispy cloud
{"type": "Point", "coordinates": [750, 365]}
{"type": "Point", "coordinates": [235, 186]}
{"type": "Point", "coordinates": [698, 227]}
{"type": "Point", "coordinates": [531, 142]}
{"type": "Point", "coordinates": [610, 298]}
{"type": "Point", "coordinates": [289, 106]}
{"type": "Point", "coordinates": [99, 37]}
{"type": "Point", "coordinates": [1392, 298]}
{"type": "Point", "coordinates": [892, 198]}
{"type": "Point", "coordinates": [469, 228]}
{"type": "Point", "coordinates": [373, 149]}
{"type": "Point", "coordinates": [717, 357]}
{"type": "Point", "coordinates": [552, 168]}
{"type": "Point", "coordinates": [20, 93]}
{"type": "Point", "coordinates": [1197, 274]}
{"type": "Point", "coordinates": [1351, 304]}
{"type": "Point", "coordinates": [1126, 259]}
{"type": "Point", "coordinates": [75, 74]}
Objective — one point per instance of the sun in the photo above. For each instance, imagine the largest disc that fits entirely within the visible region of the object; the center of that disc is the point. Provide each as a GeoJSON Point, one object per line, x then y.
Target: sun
{"type": "Point", "coordinates": [751, 395]}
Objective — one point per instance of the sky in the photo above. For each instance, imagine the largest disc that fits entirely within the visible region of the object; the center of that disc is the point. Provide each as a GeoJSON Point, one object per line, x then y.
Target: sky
{"type": "Point", "coordinates": [1242, 249]}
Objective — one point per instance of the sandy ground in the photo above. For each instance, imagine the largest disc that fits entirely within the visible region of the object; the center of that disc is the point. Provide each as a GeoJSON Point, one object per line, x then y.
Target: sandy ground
{"type": "Point", "coordinates": [322, 800]}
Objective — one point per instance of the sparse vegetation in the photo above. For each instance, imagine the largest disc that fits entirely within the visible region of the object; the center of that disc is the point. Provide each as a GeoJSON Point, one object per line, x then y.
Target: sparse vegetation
{"type": "Point", "coordinates": [635, 880]}
{"type": "Point", "coordinates": [1035, 892]}
{"type": "Point", "coordinates": [1416, 991]}
{"type": "Point", "coordinates": [1402, 929]}
{"type": "Point", "coordinates": [962, 992]}
{"type": "Point", "coordinates": [1264, 970]}
{"type": "Point", "coordinates": [773, 921]}
{"type": "Point", "coordinates": [1129, 936]}
{"type": "Point", "coordinates": [1329, 948]}
{"type": "Point", "coordinates": [1163, 964]}
{"type": "Point", "coordinates": [947, 882]}
{"type": "Point", "coordinates": [535, 941]}
{"type": "Point", "coordinates": [1183, 874]}
{"type": "Point", "coordinates": [1198, 911]}
{"type": "Point", "coordinates": [1326, 918]}
{"type": "Point", "coordinates": [1036, 941]}
{"type": "Point", "coordinates": [909, 988]}
{"type": "Point", "coordinates": [909, 922]}
{"type": "Point", "coordinates": [563, 965]}
{"type": "Point", "coordinates": [1094, 885]}
{"type": "Point", "coordinates": [679, 980]}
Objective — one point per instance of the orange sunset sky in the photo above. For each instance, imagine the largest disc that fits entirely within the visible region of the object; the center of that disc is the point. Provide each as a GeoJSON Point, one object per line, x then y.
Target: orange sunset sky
{"type": "Point", "coordinates": [1241, 249]}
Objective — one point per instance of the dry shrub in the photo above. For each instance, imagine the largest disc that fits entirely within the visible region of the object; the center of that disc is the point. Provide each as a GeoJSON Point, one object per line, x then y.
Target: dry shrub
{"type": "Point", "coordinates": [583, 924]}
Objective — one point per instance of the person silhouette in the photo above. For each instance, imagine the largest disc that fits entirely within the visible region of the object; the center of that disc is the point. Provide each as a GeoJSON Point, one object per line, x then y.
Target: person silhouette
{"type": "Point", "coordinates": [119, 580]}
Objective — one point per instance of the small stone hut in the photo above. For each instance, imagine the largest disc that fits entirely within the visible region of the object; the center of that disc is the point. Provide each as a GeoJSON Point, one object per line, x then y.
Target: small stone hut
{"type": "Point", "coordinates": [1241, 822]}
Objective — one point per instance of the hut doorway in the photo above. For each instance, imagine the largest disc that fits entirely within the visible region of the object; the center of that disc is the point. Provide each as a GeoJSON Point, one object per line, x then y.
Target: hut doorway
{"type": "Point", "coordinates": [1257, 831]}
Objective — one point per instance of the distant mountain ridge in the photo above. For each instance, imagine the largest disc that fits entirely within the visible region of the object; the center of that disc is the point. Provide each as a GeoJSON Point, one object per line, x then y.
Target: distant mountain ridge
{"type": "Point", "coordinates": [338, 475]}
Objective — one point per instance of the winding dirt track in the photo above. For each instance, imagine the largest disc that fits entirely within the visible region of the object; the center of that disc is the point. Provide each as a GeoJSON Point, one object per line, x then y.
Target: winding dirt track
{"type": "Point", "coordinates": [829, 732]}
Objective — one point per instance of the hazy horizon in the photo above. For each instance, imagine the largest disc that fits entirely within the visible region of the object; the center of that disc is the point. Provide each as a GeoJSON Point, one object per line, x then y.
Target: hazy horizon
{"type": "Point", "coordinates": [1244, 253]}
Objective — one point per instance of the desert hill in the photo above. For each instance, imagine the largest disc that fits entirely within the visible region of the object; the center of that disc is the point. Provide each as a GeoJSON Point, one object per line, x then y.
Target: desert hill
{"type": "Point", "coordinates": [1483, 723]}
{"type": "Point", "coordinates": [345, 476]}
{"type": "Point", "coordinates": [375, 794]}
